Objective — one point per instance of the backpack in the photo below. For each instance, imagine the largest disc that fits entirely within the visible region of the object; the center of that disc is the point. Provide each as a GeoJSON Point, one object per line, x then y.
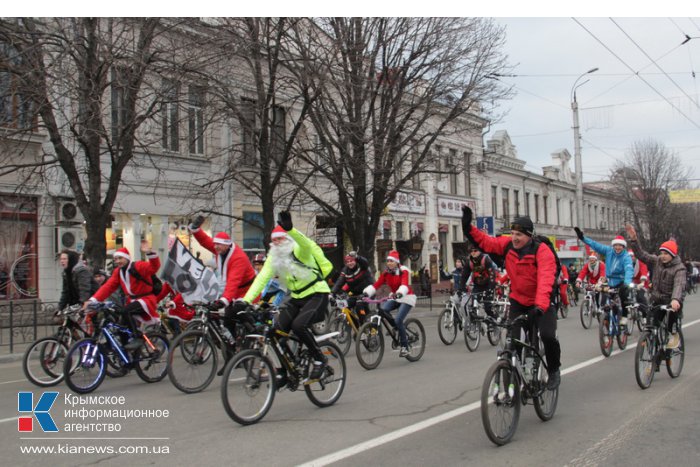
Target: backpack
{"type": "Point", "coordinates": [155, 282]}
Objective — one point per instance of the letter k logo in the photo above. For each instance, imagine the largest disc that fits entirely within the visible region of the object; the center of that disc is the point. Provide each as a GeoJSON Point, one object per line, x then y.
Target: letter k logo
{"type": "Point", "coordinates": [25, 404]}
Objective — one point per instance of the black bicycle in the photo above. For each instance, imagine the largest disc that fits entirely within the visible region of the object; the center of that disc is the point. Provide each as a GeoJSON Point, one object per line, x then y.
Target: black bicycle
{"type": "Point", "coordinates": [519, 375]}
{"type": "Point", "coordinates": [651, 348]}
{"type": "Point", "coordinates": [478, 323]}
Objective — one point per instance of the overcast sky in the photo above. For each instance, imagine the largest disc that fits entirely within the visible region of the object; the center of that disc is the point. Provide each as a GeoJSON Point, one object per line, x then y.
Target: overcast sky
{"type": "Point", "coordinates": [617, 107]}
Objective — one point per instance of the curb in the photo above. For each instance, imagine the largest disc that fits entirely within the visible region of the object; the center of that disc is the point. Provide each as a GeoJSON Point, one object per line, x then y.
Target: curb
{"type": "Point", "coordinates": [13, 357]}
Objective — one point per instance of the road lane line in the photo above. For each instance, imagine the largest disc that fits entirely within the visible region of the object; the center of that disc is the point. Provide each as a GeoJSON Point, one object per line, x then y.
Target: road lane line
{"type": "Point", "coordinates": [405, 431]}
{"type": "Point", "coordinates": [15, 381]}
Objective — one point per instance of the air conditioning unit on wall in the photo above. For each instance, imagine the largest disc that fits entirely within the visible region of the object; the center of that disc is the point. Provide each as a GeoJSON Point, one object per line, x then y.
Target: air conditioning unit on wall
{"type": "Point", "coordinates": [67, 212]}
{"type": "Point", "coordinates": [70, 238]}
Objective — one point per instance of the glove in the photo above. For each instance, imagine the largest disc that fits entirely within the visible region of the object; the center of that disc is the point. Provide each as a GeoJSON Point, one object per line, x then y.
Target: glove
{"type": "Point", "coordinates": [284, 219]}
{"type": "Point", "coordinates": [537, 311]}
{"type": "Point", "coordinates": [632, 285]}
{"type": "Point", "coordinates": [466, 219]}
{"type": "Point", "coordinates": [197, 222]}
{"type": "Point", "coordinates": [239, 306]}
{"type": "Point", "coordinates": [216, 305]}
{"type": "Point", "coordinates": [398, 296]}
{"type": "Point", "coordinates": [170, 305]}
{"type": "Point", "coordinates": [579, 233]}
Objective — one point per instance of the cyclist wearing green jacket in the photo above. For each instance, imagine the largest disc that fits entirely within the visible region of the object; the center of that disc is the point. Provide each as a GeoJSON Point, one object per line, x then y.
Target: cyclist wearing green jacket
{"type": "Point", "coordinates": [301, 267]}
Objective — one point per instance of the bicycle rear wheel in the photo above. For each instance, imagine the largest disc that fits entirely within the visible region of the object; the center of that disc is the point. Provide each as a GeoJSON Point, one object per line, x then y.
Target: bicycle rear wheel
{"type": "Point", "coordinates": [546, 403]}
{"type": "Point", "coordinates": [415, 334]}
{"type": "Point", "coordinates": [344, 338]}
{"type": "Point", "coordinates": [369, 346]}
{"type": "Point", "coordinates": [84, 366]}
{"type": "Point", "coordinates": [586, 314]}
{"type": "Point", "coordinates": [43, 361]}
{"type": "Point", "coordinates": [248, 387]}
{"type": "Point", "coordinates": [500, 402]}
{"type": "Point", "coordinates": [152, 363]}
{"type": "Point", "coordinates": [472, 333]}
{"type": "Point", "coordinates": [192, 361]}
{"type": "Point", "coordinates": [675, 357]}
{"type": "Point", "coordinates": [604, 338]}
{"type": "Point", "coordinates": [563, 310]}
{"type": "Point", "coordinates": [447, 327]}
{"type": "Point", "coordinates": [494, 334]}
{"type": "Point", "coordinates": [330, 387]}
{"type": "Point", "coordinates": [644, 360]}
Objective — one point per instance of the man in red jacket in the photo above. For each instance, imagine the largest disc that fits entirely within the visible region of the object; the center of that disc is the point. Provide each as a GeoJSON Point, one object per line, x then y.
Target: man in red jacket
{"type": "Point", "coordinates": [134, 278]}
{"type": "Point", "coordinates": [234, 268]}
{"type": "Point", "coordinates": [532, 269]}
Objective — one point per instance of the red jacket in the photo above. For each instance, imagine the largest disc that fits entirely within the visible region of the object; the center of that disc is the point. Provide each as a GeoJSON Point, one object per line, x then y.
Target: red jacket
{"type": "Point", "coordinates": [532, 271]}
{"type": "Point", "coordinates": [587, 274]}
{"type": "Point", "coordinates": [399, 281]}
{"type": "Point", "coordinates": [641, 272]}
{"type": "Point", "coordinates": [234, 268]}
{"type": "Point", "coordinates": [134, 289]}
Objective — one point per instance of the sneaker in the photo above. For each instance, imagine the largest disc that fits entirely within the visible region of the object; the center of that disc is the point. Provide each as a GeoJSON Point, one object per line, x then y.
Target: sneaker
{"type": "Point", "coordinates": [403, 352]}
{"type": "Point", "coordinates": [134, 343]}
{"type": "Point", "coordinates": [554, 380]}
{"type": "Point", "coordinates": [316, 372]}
{"type": "Point", "coordinates": [674, 341]}
{"type": "Point", "coordinates": [623, 321]}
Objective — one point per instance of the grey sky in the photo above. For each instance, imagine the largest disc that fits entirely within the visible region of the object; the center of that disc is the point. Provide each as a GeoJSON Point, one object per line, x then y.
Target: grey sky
{"type": "Point", "coordinates": [617, 107]}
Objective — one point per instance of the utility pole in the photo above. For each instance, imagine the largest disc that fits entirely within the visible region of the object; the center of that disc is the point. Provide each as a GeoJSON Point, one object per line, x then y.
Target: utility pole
{"type": "Point", "coordinates": [577, 151]}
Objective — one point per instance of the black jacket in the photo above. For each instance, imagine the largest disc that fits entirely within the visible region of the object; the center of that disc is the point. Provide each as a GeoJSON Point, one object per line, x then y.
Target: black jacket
{"type": "Point", "coordinates": [78, 285]}
{"type": "Point", "coordinates": [356, 279]}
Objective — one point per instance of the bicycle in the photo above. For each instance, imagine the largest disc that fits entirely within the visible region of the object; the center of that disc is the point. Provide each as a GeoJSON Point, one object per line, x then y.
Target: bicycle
{"type": "Point", "coordinates": [477, 322]}
{"type": "Point", "coordinates": [589, 307]}
{"type": "Point", "coordinates": [193, 358]}
{"type": "Point", "coordinates": [345, 322]}
{"type": "Point", "coordinates": [610, 328]}
{"type": "Point", "coordinates": [572, 294]}
{"type": "Point", "coordinates": [451, 318]}
{"type": "Point", "coordinates": [251, 378]}
{"type": "Point", "coordinates": [651, 349]}
{"type": "Point", "coordinates": [369, 344]}
{"type": "Point", "coordinates": [43, 360]}
{"type": "Point", "coordinates": [519, 374]}
{"type": "Point", "coordinates": [87, 360]}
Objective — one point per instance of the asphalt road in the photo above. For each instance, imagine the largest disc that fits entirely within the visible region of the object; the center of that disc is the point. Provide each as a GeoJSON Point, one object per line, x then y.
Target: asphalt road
{"type": "Point", "coordinates": [399, 414]}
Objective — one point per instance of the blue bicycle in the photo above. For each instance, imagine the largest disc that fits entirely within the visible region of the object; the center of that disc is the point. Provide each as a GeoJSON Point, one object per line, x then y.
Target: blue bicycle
{"type": "Point", "coordinates": [89, 359]}
{"type": "Point", "coordinates": [610, 328]}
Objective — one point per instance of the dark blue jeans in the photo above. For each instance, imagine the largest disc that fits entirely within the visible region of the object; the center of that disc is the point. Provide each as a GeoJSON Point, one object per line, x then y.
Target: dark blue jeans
{"type": "Point", "coordinates": [404, 309]}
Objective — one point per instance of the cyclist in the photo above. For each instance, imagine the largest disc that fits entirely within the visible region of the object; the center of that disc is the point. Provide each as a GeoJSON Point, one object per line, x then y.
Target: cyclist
{"type": "Point", "coordinates": [641, 281]}
{"type": "Point", "coordinates": [457, 273]}
{"type": "Point", "coordinates": [398, 279]}
{"type": "Point", "coordinates": [78, 282]}
{"type": "Point", "coordinates": [532, 269]}
{"type": "Point", "coordinates": [178, 310]}
{"type": "Point", "coordinates": [272, 293]}
{"type": "Point", "coordinates": [133, 277]}
{"type": "Point", "coordinates": [668, 287]}
{"type": "Point", "coordinates": [354, 278]}
{"type": "Point", "coordinates": [482, 270]}
{"type": "Point", "coordinates": [301, 268]}
{"type": "Point", "coordinates": [619, 270]}
{"type": "Point", "coordinates": [592, 272]}
{"type": "Point", "coordinates": [563, 281]}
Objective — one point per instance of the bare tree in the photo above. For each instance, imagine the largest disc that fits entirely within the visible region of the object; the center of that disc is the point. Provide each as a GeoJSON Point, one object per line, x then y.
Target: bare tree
{"type": "Point", "coordinates": [643, 180]}
{"type": "Point", "coordinates": [389, 89]}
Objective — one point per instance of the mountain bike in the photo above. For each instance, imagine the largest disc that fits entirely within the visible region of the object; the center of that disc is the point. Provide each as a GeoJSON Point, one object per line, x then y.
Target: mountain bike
{"type": "Point", "coordinates": [572, 294]}
{"type": "Point", "coordinates": [87, 360]}
{"type": "Point", "coordinates": [279, 361]}
{"type": "Point", "coordinates": [477, 322]}
{"type": "Point", "coordinates": [346, 322]}
{"type": "Point", "coordinates": [651, 349]}
{"type": "Point", "coordinates": [369, 344]}
{"type": "Point", "coordinates": [589, 308]}
{"type": "Point", "coordinates": [194, 359]}
{"type": "Point", "coordinates": [610, 328]}
{"type": "Point", "coordinates": [519, 375]}
{"type": "Point", "coordinates": [451, 319]}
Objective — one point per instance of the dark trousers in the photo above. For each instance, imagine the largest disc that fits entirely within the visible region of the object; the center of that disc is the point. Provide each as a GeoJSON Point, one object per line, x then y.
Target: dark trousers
{"type": "Point", "coordinates": [547, 324]}
{"type": "Point", "coordinates": [298, 314]}
{"type": "Point", "coordinates": [128, 312]}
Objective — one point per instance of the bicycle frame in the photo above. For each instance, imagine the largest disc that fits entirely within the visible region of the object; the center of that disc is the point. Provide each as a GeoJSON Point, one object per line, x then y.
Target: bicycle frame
{"type": "Point", "coordinates": [516, 351]}
{"type": "Point", "coordinates": [350, 316]}
{"type": "Point", "coordinates": [612, 309]}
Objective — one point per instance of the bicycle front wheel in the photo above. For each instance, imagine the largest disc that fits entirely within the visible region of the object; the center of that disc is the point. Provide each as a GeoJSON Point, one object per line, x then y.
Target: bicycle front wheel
{"type": "Point", "coordinates": [415, 333]}
{"type": "Point", "coordinates": [447, 327]}
{"type": "Point", "coordinates": [563, 310]}
{"type": "Point", "coordinates": [622, 338]}
{"type": "Point", "coordinates": [84, 367]}
{"type": "Point", "coordinates": [586, 314]}
{"type": "Point", "coordinates": [152, 362]}
{"type": "Point", "coordinates": [328, 389]}
{"type": "Point", "coordinates": [192, 361]}
{"type": "Point", "coordinates": [546, 402]}
{"type": "Point", "coordinates": [43, 361]}
{"type": "Point", "coordinates": [500, 402]}
{"type": "Point", "coordinates": [675, 357]}
{"type": "Point", "coordinates": [369, 346]}
{"type": "Point", "coordinates": [472, 334]}
{"type": "Point", "coordinates": [644, 360]}
{"type": "Point", "coordinates": [248, 387]}
{"type": "Point", "coordinates": [344, 338]}
{"type": "Point", "coordinates": [604, 338]}
{"type": "Point", "coordinates": [494, 334]}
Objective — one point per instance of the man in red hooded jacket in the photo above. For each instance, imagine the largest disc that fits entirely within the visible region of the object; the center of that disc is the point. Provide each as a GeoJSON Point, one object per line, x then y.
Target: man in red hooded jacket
{"type": "Point", "coordinates": [532, 269]}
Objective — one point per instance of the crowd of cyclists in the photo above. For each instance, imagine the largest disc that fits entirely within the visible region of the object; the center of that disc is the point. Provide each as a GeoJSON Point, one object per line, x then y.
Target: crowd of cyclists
{"type": "Point", "coordinates": [293, 276]}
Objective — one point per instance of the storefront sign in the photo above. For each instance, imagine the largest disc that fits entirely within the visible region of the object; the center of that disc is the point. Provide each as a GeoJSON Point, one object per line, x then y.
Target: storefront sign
{"type": "Point", "coordinates": [452, 207]}
{"type": "Point", "coordinates": [408, 202]}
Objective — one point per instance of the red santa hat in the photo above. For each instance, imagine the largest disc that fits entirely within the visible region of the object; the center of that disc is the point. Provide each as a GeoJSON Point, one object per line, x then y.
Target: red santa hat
{"type": "Point", "coordinates": [278, 232]}
{"type": "Point", "coordinates": [123, 253]}
{"type": "Point", "coordinates": [393, 256]}
{"type": "Point", "coordinates": [222, 238]}
{"type": "Point", "coordinates": [619, 240]}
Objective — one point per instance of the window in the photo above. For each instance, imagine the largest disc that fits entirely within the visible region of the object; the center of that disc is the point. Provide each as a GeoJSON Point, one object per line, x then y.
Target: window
{"type": "Point", "coordinates": [278, 136]}
{"type": "Point", "coordinates": [455, 233]}
{"type": "Point", "coordinates": [527, 204]}
{"type": "Point", "coordinates": [558, 220]}
{"type": "Point", "coordinates": [571, 213]}
{"type": "Point", "coordinates": [170, 115]}
{"type": "Point", "coordinates": [516, 199]}
{"type": "Point", "coordinates": [545, 201]}
{"type": "Point", "coordinates": [248, 132]}
{"type": "Point", "coordinates": [452, 168]}
{"type": "Point", "coordinates": [253, 233]}
{"type": "Point", "coordinates": [386, 230]}
{"type": "Point", "coordinates": [467, 174]}
{"type": "Point", "coordinates": [416, 178]}
{"type": "Point", "coordinates": [494, 202]}
{"type": "Point", "coordinates": [119, 113]}
{"type": "Point", "coordinates": [16, 109]}
{"type": "Point", "coordinates": [589, 216]}
{"type": "Point", "coordinates": [595, 217]}
{"type": "Point", "coordinates": [537, 208]}
{"type": "Point", "coordinates": [195, 119]}
{"type": "Point", "coordinates": [505, 200]}
{"type": "Point", "coordinates": [399, 230]}
{"type": "Point", "coordinates": [19, 277]}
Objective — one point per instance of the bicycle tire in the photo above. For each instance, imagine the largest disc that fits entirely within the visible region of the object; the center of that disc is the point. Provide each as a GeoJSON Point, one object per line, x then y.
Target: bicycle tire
{"type": "Point", "coordinates": [675, 358]}
{"type": "Point", "coordinates": [546, 402]}
{"type": "Point", "coordinates": [563, 310]}
{"type": "Point", "coordinates": [329, 388]}
{"type": "Point", "coordinates": [622, 339]}
{"type": "Point", "coordinates": [369, 346]}
{"type": "Point", "coordinates": [415, 333]}
{"type": "Point", "coordinates": [84, 377]}
{"type": "Point", "coordinates": [246, 376]}
{"type": "Point", "coordinates": [152, 364]}
{"type": "Point", "coordinates": [43, 361]}
{"type": "Point", "coordinates": [472, 334]}
{"type": "Point", "coordinates": [497, 405]}
{"type": "Point", "coordinates": [344, 338]}
{"type": "Point", "coordinates": [586, 314]}
{"type": "Point", "coordinates": [447, 327]}
{"type": "Point", "coordinates": [493, 333]}
{"type": "Point", "coordinates": [645, 360]}
{"type": "Point", "coordinates": [192, 361]}
{"type": "Point", "coordinates": [604, 338]}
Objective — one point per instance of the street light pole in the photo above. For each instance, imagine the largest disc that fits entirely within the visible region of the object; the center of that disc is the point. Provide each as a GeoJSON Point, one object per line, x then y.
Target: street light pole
{"type": "Point", "coordinates": [577, 150]}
